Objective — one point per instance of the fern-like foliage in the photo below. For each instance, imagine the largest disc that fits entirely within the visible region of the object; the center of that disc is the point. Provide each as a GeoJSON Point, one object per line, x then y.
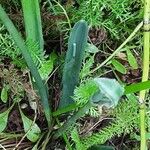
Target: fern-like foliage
{"type": "Point", "coordinates": [10, 50]}
{"type": "Point", "coordinates": [36, 54]}
{"type": "Point", "coordinates": [111, 15]}
{"type": "Point", "coordinates": [83, 93]}
{"type": "Point", "coordinates": [43, 62]}
{"type": "Point", "coordinates": [7, 46]}
{"type": "Point", "coordinates": [126, 119]}
{"type": "Point", "coordinates": [75, 137]}
{"type": "Point", "coordinates": [87, 65]}
{"type": "Point", "coordinates": [115, 16]}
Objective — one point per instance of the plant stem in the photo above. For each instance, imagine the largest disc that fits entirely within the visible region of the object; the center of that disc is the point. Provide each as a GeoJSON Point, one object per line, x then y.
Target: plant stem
{"type": "Point", "coordinates": [65, 13]}
{"type": "Point", "coordinates": [145, 74]}
{"type": "Point", "coordinates": [120, 47]}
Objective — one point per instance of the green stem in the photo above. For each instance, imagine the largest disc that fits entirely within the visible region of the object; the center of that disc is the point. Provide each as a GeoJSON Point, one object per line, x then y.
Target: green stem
{"type": "Point", "coordinates": [145, 74]}
{"type": "Point", "coordinates": [61, 111]}
{"type": "Point", "coordinates": [65, 13]}
{"type": "Point", "coordinates": [120, 47]}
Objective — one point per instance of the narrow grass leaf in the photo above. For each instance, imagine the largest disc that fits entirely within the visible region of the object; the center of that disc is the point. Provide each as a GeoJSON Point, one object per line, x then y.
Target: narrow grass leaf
{"type": "Point", "coordinates": [64, 110]}
{"type": "Point", "coordinates": [24, 50]}
{"type": "Point", "coordinates": [118, 66]}
{"type": "Point", "coordinates": [131, 59]}
{"type": "Point", "coordinates": [136, 87]}
{"type": "Point", "coordinates": [32, 129]}
{"type": "Point", "coordinates": [72, 120]}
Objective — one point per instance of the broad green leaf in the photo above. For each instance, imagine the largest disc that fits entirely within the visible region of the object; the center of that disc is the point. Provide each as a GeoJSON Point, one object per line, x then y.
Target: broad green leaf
{"type": "Point", "coordinates": [4, 93]}
{"type": "Point", "coordinates": [91, 48]}
{"type": "Point", "coordinates": [4, 120]}
{"type": "Point", "coordinates": [131, 59]}
{"type": "Point", "coordinates": [110, 91]}
{"type": "Point", "coordinates": [47, 67]}
{"type": "Point", "coordinates": [33, 130]}
{"type": "Point", "coordinates": [118, 66]}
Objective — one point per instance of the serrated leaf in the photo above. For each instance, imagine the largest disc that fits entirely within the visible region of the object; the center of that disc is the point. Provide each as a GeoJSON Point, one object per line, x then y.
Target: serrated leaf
{"type": "Point", "coordinates": [118, 66]}
{"type": "Point", "coordinates": [19, 62]}
{"type": "Point", "coordinates": [4, 94]}
{"type": "Point", "coordinates": [47, 67]}
{"type": "Point", "coordinates": [4, 120]}
{"type": "Point", "coordinates": [131, 59]}
{"type": "Point", "coordinates": [91, 48]}
{"type": "Point", "coordinates": [110, 91]}
{"type": "Point", "coordinates": [33, 130]}
{"type": "Point", "coordinates": [75, 137]}
{"type": "Point", "coordinates": [85, 71]}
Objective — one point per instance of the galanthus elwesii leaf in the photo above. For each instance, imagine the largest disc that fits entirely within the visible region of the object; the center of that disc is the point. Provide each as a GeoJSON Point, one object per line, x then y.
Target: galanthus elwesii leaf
{"type": "Point", "coordinates": [110, 91]}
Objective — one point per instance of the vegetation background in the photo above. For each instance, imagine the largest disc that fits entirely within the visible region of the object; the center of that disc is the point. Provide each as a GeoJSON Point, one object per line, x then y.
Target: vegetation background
{"type": "Point", "coordinates": [64, 81]}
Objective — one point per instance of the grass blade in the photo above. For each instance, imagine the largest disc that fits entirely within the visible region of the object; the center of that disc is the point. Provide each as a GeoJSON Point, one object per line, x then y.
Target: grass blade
{"type": "Point", "coordinates": [21, 45]}
{"type": "Point", "coordinates": [137, 87]}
